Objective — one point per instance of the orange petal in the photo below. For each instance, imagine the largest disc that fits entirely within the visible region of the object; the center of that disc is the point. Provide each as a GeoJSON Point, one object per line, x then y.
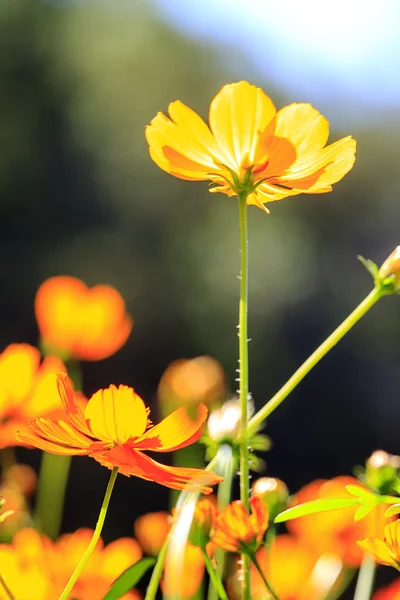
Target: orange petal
{"type": "Point", "coordinates": [133, 462]}
{"type": "Point", "coordinates": [118, 556]}
{"type": "Point", "coordinates": [116, 414]}
{"type": "Point", "coordinates": [71, 403]}
{"type": "Point", "coordinates": [175, 431]}
{"type": "Point", "coordinates": [57, 437]}
{"type": "Point", "coordinates": [237, 114]}
{"type": "Point", "coordinates": [18, 367]}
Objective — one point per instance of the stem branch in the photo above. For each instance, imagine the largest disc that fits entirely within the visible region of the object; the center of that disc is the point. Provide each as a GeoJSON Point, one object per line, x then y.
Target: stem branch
{"type": "Point", "coordinates": [214, 579]}
{"type": "Point", "coordinates": [260, 571]}
{"type": "Point", "coordinates": [314, 359]}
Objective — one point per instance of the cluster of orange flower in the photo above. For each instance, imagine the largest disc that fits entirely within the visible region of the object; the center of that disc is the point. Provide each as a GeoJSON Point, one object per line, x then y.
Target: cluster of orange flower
{"type": "Point", "coordinates": [262, 155]}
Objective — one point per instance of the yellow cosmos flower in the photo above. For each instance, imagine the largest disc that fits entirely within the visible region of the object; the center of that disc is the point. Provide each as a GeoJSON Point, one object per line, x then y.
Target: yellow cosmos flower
{"type": "Point", "coordinates": [249, 147]}
{"type": "Point", "coordinates": [386, 551]}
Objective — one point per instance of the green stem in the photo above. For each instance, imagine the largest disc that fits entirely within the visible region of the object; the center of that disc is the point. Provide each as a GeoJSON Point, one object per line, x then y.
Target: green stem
{"type": "Point", "coordinates": [244, 380]}
{"type": "Point", "coordinates": [151, 591]}
{"type": "Point", "coordinates": [365, 581]}
{"type": "Point", "coordinates": [7, 590]}
{"type": "Point", "coordinates": [314, 359]}
{"type": "Point", "coordinates": [223, 499]}
{"type": "Point", "coordinates": [255, 562]}
{"type": "Point", "coordinates": [214, 578]}
{"type": "Point", "coordinates": [53, 479]}
{"type": "Point", "coordinates": [95, 538]}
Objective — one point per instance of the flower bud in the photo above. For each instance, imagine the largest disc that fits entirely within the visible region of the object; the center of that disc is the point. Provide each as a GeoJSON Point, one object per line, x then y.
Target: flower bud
{"type": "Point", "coordinates": [203, 523]}
{"type": "Point", "coordinates": [224, 423]}
{"type": "Point", "coordinates": [273, 493]}
{"type": "Point", "coordinates": [381, 471]}
{"type": "Point", "coordinates": [391, 267]}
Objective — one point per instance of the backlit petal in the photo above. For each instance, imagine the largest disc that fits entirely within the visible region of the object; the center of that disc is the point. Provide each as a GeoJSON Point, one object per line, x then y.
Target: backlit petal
{"type": "Point", "coordinates": [57, 438]}
{"type": "Point", "coordinates": [133, 462]}
{"type": "Point", "coordinates": [378, 549]}
{"type": "Point", "coordinates": [71, 403]}
{"type": "Point", "coordinates": [304, 127]}
{"type": "Point", "coordinates": [237, 114]}
{"type": "Point", "coordinates": [176, 431]}
{"type": "Point", "coordinates": [116, 414]}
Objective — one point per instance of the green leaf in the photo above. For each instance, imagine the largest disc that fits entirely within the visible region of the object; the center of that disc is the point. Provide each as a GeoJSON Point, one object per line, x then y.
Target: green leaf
{"type": "Point", "coordinates": [371, 267]}
{"type": "Point", "coordinates": [316, 506]}
{"type": "Point", "coordinates": [362, 493]}
{"type": "Point", "coordinates": [363, 511]}
{"type": "Point", "coordinates": [129, 578]}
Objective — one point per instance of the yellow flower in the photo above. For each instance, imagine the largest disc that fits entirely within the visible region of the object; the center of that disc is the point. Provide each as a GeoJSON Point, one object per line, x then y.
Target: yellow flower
{"type": "Point", "coordinates": [386, 551]}
{"type": "Point", "coordinates": [249, 147]}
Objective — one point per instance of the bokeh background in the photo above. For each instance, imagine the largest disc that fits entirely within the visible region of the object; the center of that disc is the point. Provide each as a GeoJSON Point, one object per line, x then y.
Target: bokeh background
{"type": "Point", "coordinates": [79, 195]}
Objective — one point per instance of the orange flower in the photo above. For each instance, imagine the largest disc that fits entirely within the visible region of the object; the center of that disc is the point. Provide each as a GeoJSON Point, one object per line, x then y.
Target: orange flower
{"type": "Point", "coordinates": [114, 428]}
{"type": "Point", "coordinates": [26, 390]}
{"type": "Point", "coordinates": [192, 381]}
{"type": "Point", "coordinates": [83, 323]}
{"type": "Point", "coordinates": [35, 568]}
{"type": "Point", "coordinates": [334, 531]}
{"type": "Point", "coordinates": [203, 523]}
{"type": "Point", "coordinates": [183, 578]}
{"type": "Point", "coordinates": [385, 551]}
{"type": "Point", "coordinates": [151, 531]}
{"type": "Point", "coordinates": [390, 592]}
{"type": "Point", "coordinates": [237, 531]}
{"type": "Point", "coordinates": [294, 571]}
{"type": "Point", "coordinates": [249, 147]}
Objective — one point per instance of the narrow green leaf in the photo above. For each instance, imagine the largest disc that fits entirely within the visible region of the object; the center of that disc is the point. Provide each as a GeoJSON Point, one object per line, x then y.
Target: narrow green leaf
{"type": "Point", "coordinates": [316, 506]}
{"type": "Point", "coordinates": [371, 267]}
{"type": "Point", "coordinates": [363, 511]}
{"type": "Point", "coordinates": [129, 578]}
{"type": "Point", "coordinates": [365, 495]}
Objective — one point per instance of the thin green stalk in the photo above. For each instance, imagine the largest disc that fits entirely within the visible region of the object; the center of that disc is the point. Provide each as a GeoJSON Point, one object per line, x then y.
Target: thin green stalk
{"type": "Point", "coordinates": [152, 588]}
{"type": "Point", "coordinates": [53, 479]}
{"type": "Point", "coordinates": [365, 580]}
{"type": "Point", "coordinates": [95, 538]}
{"type": "Point", "coordinates": [53, 476]}
{"type": "Point", "coordinates": [7, 590]}
{"type": "Point", "coordinates": [223, 499]}
{"type": "Point", "coordinates": [267, 585]}
{"type": "Point", "coordinates": [244, 379]}
{"type": "Point", "coordinates": [214, 579]}
{"type": "Point", "coordinates": [314, 359]}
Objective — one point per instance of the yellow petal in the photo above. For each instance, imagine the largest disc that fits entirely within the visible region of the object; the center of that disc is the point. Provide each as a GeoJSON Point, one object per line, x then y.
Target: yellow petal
{"type": "Point", "coordinates": [392, 537]}
{"type": "Point", "coordinates": [329, 166]}
{"type": "Point", "coordinates": [175, 431]}
{"type": "Point", "coordinates": [378, 549]}
{"type": "Point", "coordinates": [116, 414]}
{"type": "Point", "coordinates": [57, 438]}
{"type": "Point", "coordinates": [304, 127]}
{"type": "Point", "coordinates": [237, 114]}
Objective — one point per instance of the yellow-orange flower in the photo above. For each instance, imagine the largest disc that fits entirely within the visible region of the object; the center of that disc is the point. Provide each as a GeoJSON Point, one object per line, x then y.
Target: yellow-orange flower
{"type": "Point", "coordinates": [294, 571]}
{"type": "Point", "coordinates": [151, 531]}
{"type": "Point", "coordinates": [238, 531]}
{"type": "Point", "coordinates": [334, 531]}
{"type": "Point", "coordinates": [114, 428]}
{"type": "Point", "coordinates": [385, 551]}
{"type": "Point", "coordinates": [250, 147]}
{"type": "Point", "coordinates": [27, 390]}
{"type": "Point", "coordinates": [203, 523]}
{"type": "Point", "coordinates": [82, 323]}
{"type": "Point", "coordinates": [35, 568]}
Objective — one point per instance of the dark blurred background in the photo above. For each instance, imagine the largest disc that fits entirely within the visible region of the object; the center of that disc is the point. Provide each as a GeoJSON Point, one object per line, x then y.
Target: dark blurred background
{"type": "Point", "coordinates": [79, 195]}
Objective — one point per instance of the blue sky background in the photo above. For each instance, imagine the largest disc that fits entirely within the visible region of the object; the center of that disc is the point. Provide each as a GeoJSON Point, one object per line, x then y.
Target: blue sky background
{"type": "Point", "coordinates": [344, 56]}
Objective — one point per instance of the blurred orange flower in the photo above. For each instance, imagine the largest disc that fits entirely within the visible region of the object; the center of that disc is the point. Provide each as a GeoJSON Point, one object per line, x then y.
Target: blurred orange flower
{"type": "Point", "coordinates": [294, 571]}
{"type": "Point", "coordinates": [114, 428]}
{"type": "Point", "coordinates": [238, 531]}
{"type": "Point", "coordinates": [390, 592]}
{"type": "Point", "coordinates": [250, 147]}
{"type": "Point", "coordinates": [35, 568]}
{"type": "Point", "coordinates": [182, 578]}
{"type": "Point", "coordinates": [151, 531]}
{"type": "Point", "coordinates": [82, 323]}
{"type": "Point", "coordinates": [385, 551]}
{"type": "Point", "coordinates": [190, 381]}
{"type": "Point", "coordinates": [26, 390]}
{"type": "Point", "coordinates": [334, 531]}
